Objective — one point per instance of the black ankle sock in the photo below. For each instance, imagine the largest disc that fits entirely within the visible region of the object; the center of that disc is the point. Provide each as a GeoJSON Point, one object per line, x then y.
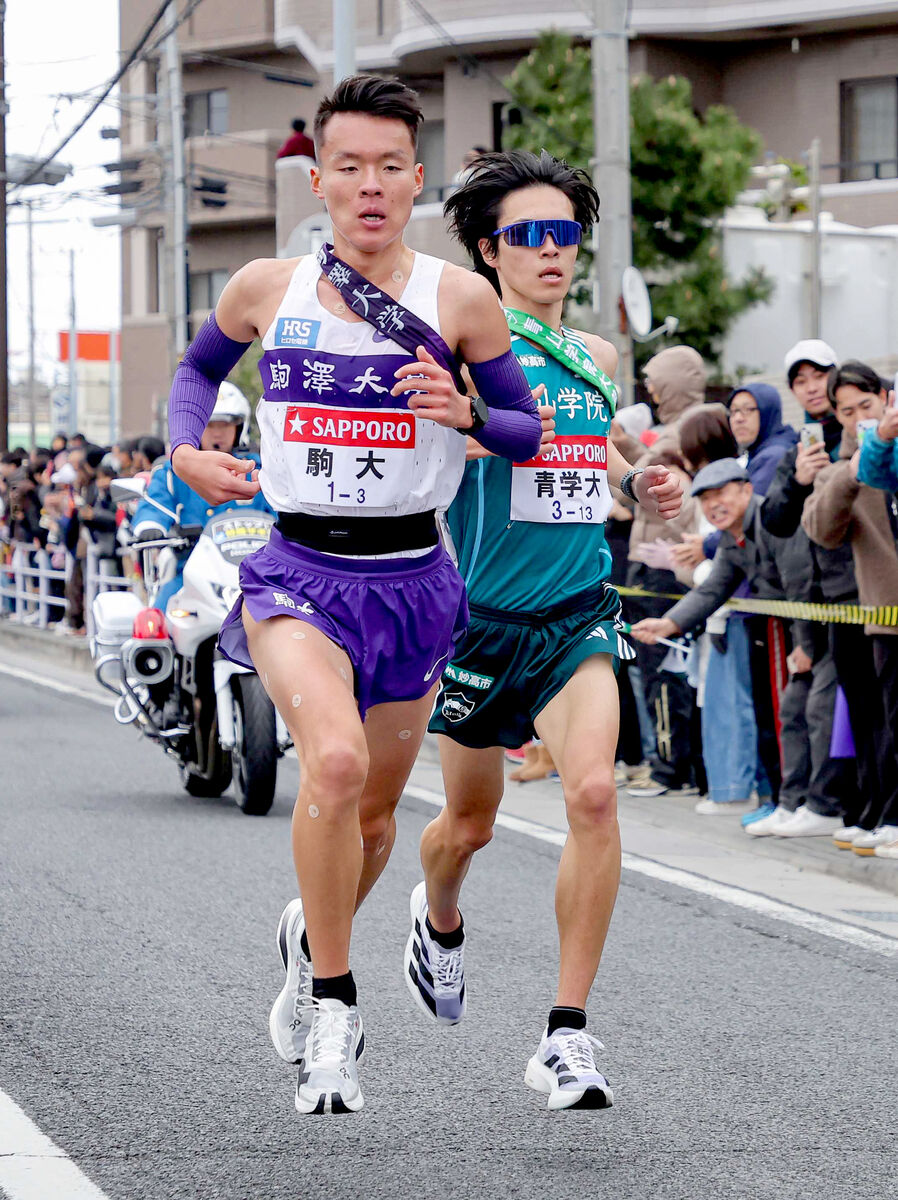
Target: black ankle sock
{"type": "Point", "coordinates": [566, 1018]}
{"type": "Point", "coordinates": [336, 987]}
{"type": "Point", "coordinates": [304, 946]}
{"type": "Point", "coordinates": [449, 941]}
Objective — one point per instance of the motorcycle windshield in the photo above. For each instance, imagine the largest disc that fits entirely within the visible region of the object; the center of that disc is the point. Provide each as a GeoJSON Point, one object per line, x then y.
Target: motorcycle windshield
{"type": "Point", "coordinates": [239, 532]}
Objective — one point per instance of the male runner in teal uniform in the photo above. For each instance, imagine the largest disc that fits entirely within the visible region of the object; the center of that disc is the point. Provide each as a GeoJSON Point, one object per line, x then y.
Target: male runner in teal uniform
{"type": "Point", "coordinates": [544, 640]}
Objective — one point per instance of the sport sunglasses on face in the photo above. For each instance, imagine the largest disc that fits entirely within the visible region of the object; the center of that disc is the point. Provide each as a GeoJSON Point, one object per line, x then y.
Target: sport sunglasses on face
{"type": "Point", "coordinates": [534, 233]}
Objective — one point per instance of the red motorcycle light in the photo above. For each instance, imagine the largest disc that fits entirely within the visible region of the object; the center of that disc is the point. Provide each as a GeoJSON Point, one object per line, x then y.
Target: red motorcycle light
{"type": "Point", "coordinates": [149, 623]}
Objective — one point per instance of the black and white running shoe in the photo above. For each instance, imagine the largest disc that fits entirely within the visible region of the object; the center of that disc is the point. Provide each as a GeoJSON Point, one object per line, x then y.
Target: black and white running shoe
{"type": "Point", "coordinates": [564, 1069]}
{"type": "Point", "coordinates": [291, 1015]}
{"type": "Point", "coordinates": [329, 1078]}
{"type": "Point", "coordinates": [434, 975]}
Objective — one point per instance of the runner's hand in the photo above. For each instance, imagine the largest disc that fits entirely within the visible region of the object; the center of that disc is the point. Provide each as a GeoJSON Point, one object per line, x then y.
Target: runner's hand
{"type": "Point", "coordinates": [546, 415]}
{"type": "Point", "coordinates": [652, 628]}
{"type": "Point", "coordinates": [438, 399]}
{"type": "Point", "coordinates": [218, 477]}
{"type": "Point", "coordinates": [660, 491]}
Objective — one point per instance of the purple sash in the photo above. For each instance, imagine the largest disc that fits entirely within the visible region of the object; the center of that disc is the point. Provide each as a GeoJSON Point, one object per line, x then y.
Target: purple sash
{"type": "Point", "coordinates": [390, 319]}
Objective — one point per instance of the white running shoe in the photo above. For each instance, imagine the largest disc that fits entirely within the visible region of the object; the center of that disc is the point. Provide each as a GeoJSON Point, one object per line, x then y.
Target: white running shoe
{"type": "Point", "coordinates": [434, 975]}
{"type": "Point", "coordinates": [724, 808]}
{"type": "Point", "coordinates": [804, 822]}
{"type": "Point", "coordinates": [329, 1078]}
{"type": "Point", "coordinates": [291, 1014]}
{"type": "Point", "coordinates": [768, 826]}
{"type": "Point", "coordinates": [564, 1069]}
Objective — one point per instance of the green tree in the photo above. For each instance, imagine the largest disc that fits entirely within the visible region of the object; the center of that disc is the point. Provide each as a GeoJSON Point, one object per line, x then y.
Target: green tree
{"type": "Point", "coordinates": [685, 171]}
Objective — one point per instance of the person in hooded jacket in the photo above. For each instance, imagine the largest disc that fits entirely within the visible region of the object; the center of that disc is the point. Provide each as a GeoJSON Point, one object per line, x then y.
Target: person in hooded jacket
{"type": "Point", "coordinates": [676, 379]}
{"type": "Point", "coordinates": [756, 420]}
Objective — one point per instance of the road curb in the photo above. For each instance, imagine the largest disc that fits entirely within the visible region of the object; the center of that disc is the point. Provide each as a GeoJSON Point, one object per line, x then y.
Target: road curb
{"type": "Point", "coordinates": [68, 651]}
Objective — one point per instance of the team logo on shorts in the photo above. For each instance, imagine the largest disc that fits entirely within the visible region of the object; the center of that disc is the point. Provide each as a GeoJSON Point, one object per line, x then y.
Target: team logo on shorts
{"type": "Point", "coordinates": [457, 707]}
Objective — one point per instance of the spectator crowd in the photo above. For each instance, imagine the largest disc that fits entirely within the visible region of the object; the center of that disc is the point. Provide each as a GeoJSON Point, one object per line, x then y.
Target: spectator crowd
{"type": "Point", "coordinates": [785, 722]}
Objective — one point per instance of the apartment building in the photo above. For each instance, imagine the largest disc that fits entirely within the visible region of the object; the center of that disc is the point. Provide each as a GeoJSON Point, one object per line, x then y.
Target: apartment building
{"type": "Point", "coordinates": [791, 70]}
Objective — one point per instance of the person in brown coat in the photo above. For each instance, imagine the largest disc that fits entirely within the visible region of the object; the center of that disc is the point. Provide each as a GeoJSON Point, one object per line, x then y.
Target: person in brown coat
{"type": "Point", "coordinates": [841, 510]}
{"type": "Point", "coordinates": [676, 379]}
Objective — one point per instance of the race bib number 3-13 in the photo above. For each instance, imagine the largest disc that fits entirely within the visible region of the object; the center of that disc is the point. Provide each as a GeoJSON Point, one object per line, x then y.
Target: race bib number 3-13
{"type": "Point", "coordinates": [567, 483]}
{"type": "Point", "coordinates": [350, 457]}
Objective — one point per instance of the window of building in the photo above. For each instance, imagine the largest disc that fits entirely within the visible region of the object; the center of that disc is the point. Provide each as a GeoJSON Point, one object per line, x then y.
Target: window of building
{"type": "Point", "coordinates": [504, 114]}
{"type": "Point", "coordinates": [869, 129]}
{"type": "Point", "coordinates": [206, 112]}
{"type": "Point", "coordinates": [205, 288]}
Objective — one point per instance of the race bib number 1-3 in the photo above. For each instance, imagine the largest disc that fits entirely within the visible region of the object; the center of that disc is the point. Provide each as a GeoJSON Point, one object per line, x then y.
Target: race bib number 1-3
{"type": "Point", "coordinates": [566, 483]}
{"type": "Point", "coordinates": [351, 458]}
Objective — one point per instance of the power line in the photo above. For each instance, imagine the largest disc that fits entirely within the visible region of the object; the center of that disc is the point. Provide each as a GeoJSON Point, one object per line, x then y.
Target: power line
{"type": "Point", "coordinates": [136, 53]}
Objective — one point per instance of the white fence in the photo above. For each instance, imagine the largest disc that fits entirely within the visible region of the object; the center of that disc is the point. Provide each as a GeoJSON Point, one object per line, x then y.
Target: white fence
{"type": "Point", "coordinates": [26, 594]}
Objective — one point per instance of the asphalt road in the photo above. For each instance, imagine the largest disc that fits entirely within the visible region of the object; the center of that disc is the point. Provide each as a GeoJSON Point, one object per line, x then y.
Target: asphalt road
{"type": "Point", "coordinates": [749, 1058]}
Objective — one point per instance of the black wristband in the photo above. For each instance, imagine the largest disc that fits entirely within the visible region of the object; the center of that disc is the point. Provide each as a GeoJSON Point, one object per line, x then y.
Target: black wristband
{"type": "Point", "coordinates": [626, 483]}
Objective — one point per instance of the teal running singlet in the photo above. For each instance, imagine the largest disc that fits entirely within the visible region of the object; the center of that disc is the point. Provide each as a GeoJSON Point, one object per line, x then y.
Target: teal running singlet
{"type": "Point", "coordinates": [505, 519]}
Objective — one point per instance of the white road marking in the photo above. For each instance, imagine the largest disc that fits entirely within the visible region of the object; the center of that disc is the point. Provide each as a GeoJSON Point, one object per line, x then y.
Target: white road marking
{"type": "Point", "coordinates": [32, 1167]}
{"type": "Point", "coordinates": [65, 688]}
{"type": "Point", "coordinates": [741, 897]}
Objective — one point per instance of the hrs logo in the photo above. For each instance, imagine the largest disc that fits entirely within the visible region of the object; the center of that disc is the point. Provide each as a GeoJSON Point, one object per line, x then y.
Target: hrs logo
{"type": "Point", "coordinates": [296, 332]}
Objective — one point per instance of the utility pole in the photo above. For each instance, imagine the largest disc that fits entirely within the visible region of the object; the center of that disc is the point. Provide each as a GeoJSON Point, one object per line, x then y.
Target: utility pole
{"type": "Point", "coordinates": [32, 399]}
{"type": "Point", "coordinates": [344, 39]}
{"type": "Point", "coordinates": [178, 182]}
{"type": "Point", "coordinates": [4, 356]}
{"type": "Point", "coordinates": [611, 173]}
{"type": "Point", "coordinates": [814, 197]}
{"type": "Point", "coordinates": [72, 422]}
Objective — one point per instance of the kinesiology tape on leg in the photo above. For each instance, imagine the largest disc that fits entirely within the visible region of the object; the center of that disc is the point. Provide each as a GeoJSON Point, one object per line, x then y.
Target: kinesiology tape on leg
{"type": "Point", "coordinates": [514, 429]}
{"type": "Point", "coordinates": [194, 390]}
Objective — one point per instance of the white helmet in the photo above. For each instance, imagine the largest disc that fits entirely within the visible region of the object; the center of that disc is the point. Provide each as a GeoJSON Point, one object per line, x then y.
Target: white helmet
{"type": "Point", "coordinates": [232, 406]}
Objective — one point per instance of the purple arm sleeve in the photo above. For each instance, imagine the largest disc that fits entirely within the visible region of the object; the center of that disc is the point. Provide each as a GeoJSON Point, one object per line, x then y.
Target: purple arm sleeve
{"type": "Point", "coordinates": [194, 390]}
{"type": "Point", "coordinates": [514, 429]}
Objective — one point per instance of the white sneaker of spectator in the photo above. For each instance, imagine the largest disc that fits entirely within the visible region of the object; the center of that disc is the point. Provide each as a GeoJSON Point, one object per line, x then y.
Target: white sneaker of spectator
{"type": "Point", "coordinates": [771, 825]}
{"type": "Point", "coordinates": [866, 843]}
{"type": "Point", "coordinates": [804, 822]}
{"type": "Point", "coordinates": [843, 839]}
{"type": "Point", "coordinates": [888, 849]}
{"type": "Point", "coordinates": [715, 808]}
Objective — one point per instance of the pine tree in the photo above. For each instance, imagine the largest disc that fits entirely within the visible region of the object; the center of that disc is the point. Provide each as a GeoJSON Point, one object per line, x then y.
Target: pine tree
{"type": "Point", "coordinates": [686, 171]}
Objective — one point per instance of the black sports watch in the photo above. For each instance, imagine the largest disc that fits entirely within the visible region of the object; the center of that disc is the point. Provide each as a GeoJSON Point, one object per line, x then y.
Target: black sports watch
{"type": "Point", "coordinates": [480, 414]}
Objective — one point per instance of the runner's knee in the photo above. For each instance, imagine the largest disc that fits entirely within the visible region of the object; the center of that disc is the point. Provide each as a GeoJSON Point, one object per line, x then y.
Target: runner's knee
{"type": "Point", "coordinates": [336, 769]}
{"type": "Point", "coordinates": [592, 801]}
{"type": "Point", "coordinates": [471, 833]}
{"type": "Point", "coordinates": [376, 831]}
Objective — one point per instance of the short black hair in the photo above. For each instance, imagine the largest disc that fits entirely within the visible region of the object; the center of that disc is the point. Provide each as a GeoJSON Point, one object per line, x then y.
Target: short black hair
{"type": "Point", "coordinates": [857, 374]}
{"type": "Point", "coordinates": [298, 125]}
{"type": "Point", "coordinates": [473, 210]}
{"type": "Point", "coordinates": [151, 448]}
{"type": "Point", "coordinates": [374, 95]}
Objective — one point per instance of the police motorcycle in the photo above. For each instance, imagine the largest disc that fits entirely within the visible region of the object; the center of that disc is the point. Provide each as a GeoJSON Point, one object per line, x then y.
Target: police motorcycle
{"type": "Point", "coordinates": [210, 715]}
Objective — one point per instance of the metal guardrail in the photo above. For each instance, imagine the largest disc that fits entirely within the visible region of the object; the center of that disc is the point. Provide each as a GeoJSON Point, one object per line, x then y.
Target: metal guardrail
{"type": "Point", "coordinates": [26, 581]}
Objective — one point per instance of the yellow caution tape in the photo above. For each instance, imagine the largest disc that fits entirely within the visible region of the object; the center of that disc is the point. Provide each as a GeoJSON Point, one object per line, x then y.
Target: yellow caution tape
{"type": "Point", "coordinates": [797, 610]}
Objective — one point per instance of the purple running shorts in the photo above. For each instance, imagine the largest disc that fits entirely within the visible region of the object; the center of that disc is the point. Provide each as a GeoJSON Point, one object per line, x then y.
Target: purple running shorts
{"type": "Point", "coordinates": [399, 620]}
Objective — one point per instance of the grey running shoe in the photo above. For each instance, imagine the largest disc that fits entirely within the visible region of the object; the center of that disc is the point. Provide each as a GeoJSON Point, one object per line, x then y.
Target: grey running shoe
{"type": "Point", "coordinates": [434, 975]}
{"type": "Point", "coordinates": [329, 1078]}
{"type": "Point", "coordinates": [564, 1069]}
{"type": "Point", "coordinates": [291, 1015]}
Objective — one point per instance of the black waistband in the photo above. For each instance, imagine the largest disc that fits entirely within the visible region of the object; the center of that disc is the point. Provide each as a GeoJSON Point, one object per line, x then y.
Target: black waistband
{"type": "Point", "coordinates": [360, 535]}
{"type": "Point", "coordinates": [603, 603]}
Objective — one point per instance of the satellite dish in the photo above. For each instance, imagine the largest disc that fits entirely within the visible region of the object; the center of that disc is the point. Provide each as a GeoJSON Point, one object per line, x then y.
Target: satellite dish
{"type": "Point", "coordinates": [636, 300]}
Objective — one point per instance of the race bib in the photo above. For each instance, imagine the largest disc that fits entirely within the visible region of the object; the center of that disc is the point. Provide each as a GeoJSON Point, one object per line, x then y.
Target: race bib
{"type": "Point", "coordinates": [350, 458]}
{"type": "Point", "coordinates": [566, 483]}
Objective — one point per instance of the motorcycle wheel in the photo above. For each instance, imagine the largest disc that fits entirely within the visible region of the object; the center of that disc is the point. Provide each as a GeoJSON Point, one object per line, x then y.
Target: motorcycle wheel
{"type": "Point", "coordinates": [219, 779]}
{"type": "Point", "coordinates": [254, 756]}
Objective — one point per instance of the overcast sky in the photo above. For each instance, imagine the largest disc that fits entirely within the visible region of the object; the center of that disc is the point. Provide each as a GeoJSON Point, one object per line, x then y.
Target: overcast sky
{"type": "Point", "coordinates": [55, 48]}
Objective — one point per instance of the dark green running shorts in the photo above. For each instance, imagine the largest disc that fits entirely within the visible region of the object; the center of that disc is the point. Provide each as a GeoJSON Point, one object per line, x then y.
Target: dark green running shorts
{"type": "Point", "coordinates": [511, 664]}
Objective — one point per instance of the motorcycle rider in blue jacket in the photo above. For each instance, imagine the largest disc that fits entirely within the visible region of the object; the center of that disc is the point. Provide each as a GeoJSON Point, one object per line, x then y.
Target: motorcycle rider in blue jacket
{"type": "Point", "coordinates": [169, 501]}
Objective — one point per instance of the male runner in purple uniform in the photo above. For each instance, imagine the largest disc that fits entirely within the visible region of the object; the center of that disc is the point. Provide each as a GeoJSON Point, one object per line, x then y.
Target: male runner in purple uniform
{"type": "Point", "coordinates": [351, 611]}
